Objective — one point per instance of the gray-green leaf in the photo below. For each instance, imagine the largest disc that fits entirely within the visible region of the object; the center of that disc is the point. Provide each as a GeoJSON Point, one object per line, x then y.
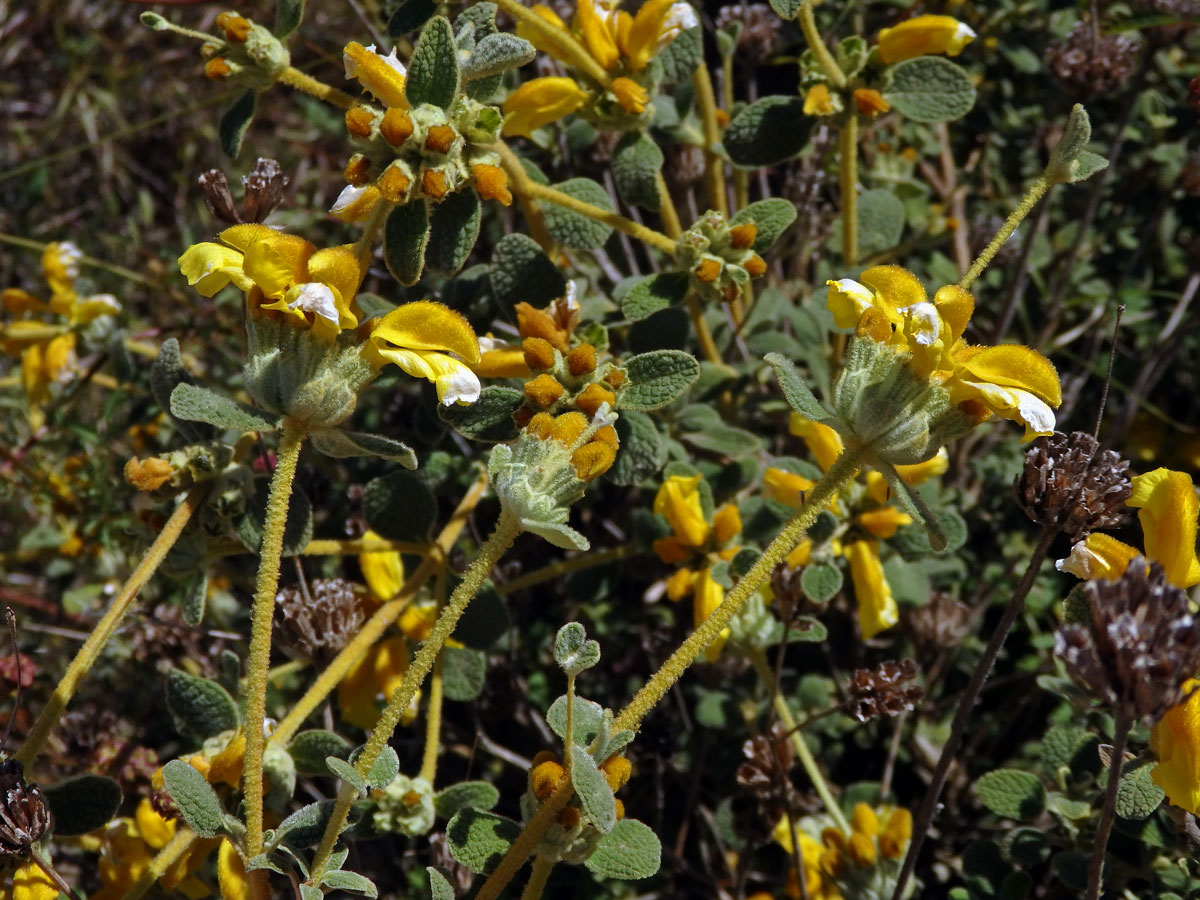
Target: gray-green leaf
{"type": "Point", "coordinates": [288, 14]}
{"type": "Point", "coordinates": [575, 229]}
{"type": "Point", "coordinates": [439, 885]}
{"type": "Point", "coordinates": [497, 53]}
{"type": "Point", "coordinates": [636, 164]}
{"type": "Point", "coordinates": [478, 839]}
{"type": "Point", "coordinates": [344, 880]}
{"type": "Point", "coordinates": [795, 389]}
{"type": "Point", "coordinates": [200, 708]}
{"type": "Point", "coordinates": [490, 418]}
{"type": "Point", "coordinates": [657, 378]}
{"type": "Point", "coordinates": [399, 506]}
{"type": "Point", "coordinates": [405, 237]}
{"type": "Point", "coordinates": [587, 722]}
{"type": "Point", "coordinates": [345, 771]}
{"type": "Point", "coordinates": [521, 271]}
{"type": "Point", "coordinates": [463, 673]}
{"type": "Point", "coordinates": [342, 444]}
{"type": "Point", "coordinates": [930, 89]}
{"type": "Point", "coordinates": [477, 794]}
{"type": "Point", "coordinates": [573, 651]}
{"type": "Point", "coordinates": [433, 71]}
{"type": "Point", "coordinates": [767, 131]}
{"type": "Point", "coordinates": [197, 801]}
{"type": "Point", "coordinates": [383, 771]}
{"type": "Point", "coordinates": [595, 796]}
{"type": "Point", "coordinates": [1137, 795]}
{"type": "Point", "coordinates": [1012, 793]}
{"type": "Point", "coordinates": [82, 804]}
{"type": "Point", "coordinates": [631, 850]}
{"type": "Point", "coordinates": [880, 221]}
{"type": "Point", "coordinates": [770, 217]}
{"type": "Point", "coordinates": [234, 123]}
{"type": "Point", "coordinates": [309, 750]}
{"type": "Point", "coordinates": [651, 293]}
{"type": "Point", "coordinates": [821, 581]}
{"type": "Point", "coordinates": [197, 404]}
{"type": "Point", "coordinates": [453, 229]}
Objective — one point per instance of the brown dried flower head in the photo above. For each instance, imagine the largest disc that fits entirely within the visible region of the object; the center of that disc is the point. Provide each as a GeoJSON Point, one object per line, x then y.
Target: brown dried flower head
{"type": "Point", "coordinates": [885, 690]}
{"type": "Point", "coordinates": [941, 623]}
{"type": "Point", "coordinates": [765, 790]}
{"type": "Point", "coordinates": [24, 816]}
{"type": "Point", "coordinates": [1089, 62]}
{"type": "Point", "coordinates": [323, 622]}
{"type": "Point", "coordinates": [262, 192]}
{"type": "Point", "coordinates": [1070, 483]}
{"type": "Point", "coordinates": [1138, 644]}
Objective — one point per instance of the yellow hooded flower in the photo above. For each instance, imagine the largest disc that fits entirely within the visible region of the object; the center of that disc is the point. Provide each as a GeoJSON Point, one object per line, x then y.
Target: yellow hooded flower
{"type": "Point", "coordinates": [383, 76]}
{"type": "Point", "coordinates": [923, 35]}
{"type": "Point", "coordinates": [1175, 739]}
{"type": "Point", "coordinates": [820, 101]}
{"type": "Point", "coordinates": [1168, 512]}
{"type": "Point", "coordinates": [540, 102]}
{"type": "Point", "coordinates": [419, 338]}
{"type": "Point", "coordinates": [877, 610]}
{"type": "Point", "coordinates": [283, 273]}
{"type": "Point", "coordinates": [29, 882]}
{"type": "Point", "coordinates": [383, 570]}
{"type": "Point", "coordinates": [678, 500]}
{"type": "Point", "coordinates": [128, 846]}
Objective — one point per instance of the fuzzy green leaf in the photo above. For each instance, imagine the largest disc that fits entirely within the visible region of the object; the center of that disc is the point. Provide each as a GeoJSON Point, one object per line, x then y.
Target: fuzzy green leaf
{"type": "Point", "coordinates": [595, 796]}
{"type": "Point", "coordinates": [478, 794]}
{"type": "Point", "coordinates": [195, 596]}
{"type": "Point", "coordinates": [643, 449]}
{"type": "Point", "coordinates": [433, 71]}
{"type": "Point", "coordinates": [521, 271]}
{"type": "Point", "coordinates": [409, 16]}
{"type": "Point", "coordinates": [1138, 795]}
{"type": "Point", "coordinates": [651, 293]}
{"type": "Point", "coordinates": [657, 378]}
{"type": "Point", "coordinates": [575, 229]}
{"type": "Point", "coordinates": [345, 771]}
{"type": "Point", "coordinates": [344, 880]}
{"type": "Point", "coordinates": [399, 506]}
{"type": "Point", "coordinates": [497, 53]}
{"type": "Point", "coordinates": [82, 804]}
{"type": "Point", "coordinates": [234, 123]}
{"type": "Point", "coordinates": [305, 826]}
{"type": "Point", "coordinates": [589, 717]}
{"type": "Point", "coordinates": [201, 708]}
{"type": "Point", "coordinates": [197, 404]}
{"type": "Point", "coordinates": [680, 57]}
{"type": "Point", "coordinates": [439, 885]}
{"type": "Point", "coordinates": [463, 673]}
{"type": "Point", "coordinates": [490, 418]}
{"type": "Point", "coordinates": [771, 218]}
{"type": "Point", "coordinates": [631, 850]}
{"type": "Point", "coordinates": [485, 621]}
{"type": "Point", "coordinates": [795, 389]}
{"type": "Point", "coordinates": [787, 9]}
{"type": "Point", "coordinates": [767, 131]}
{"type": "Point", "coordinates": [405, 237]}
{"type": "Point", "coordinates": [288, 14]}
{"type": "Point", "coordinates": [168, 373]}
{"type": "Point", "coordinates": [573, 652]}
{"type": "Point", "coordinates": [342, 444]}
{"type": "Point", "coordinates": [880, 221]}
{"type": "Point", "coordinates": [310, 749]}
{"type": "Point", "coordinates": [636, 164]}
{"type": "Point", "coordinates": [453, 230]}
{"type": "Point", "coordinates": [821, 581]}
{"type": "Point", "coordinates": [1012, 793]}
{"type": "Point", "coordinates": [478, 839]}
{"type": "Point", "coordinates": [197, 801]}
{"type": "Point", "coordinates": [1066, 745]}
{"type": "Point", "coordinates": [1086, 165]}
{"type": "Point", "coordinates": [383, 771]}
{"type": "Point", "coordinates": [930, 89]}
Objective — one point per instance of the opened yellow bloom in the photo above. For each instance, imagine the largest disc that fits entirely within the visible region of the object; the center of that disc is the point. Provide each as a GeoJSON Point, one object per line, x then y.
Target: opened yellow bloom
{"type": "Point", "coordinates": [1098, 556]}
{"type": "Point", "coordinates": [1175, 739]}
{"type": "Point", "coordinates": [540, 102]}
{"type": "Point", "coordinates": [231, 873]}
{"type": "Point", "coordinates": [128, 846]}
{"type": "Point", "coordinates": [419, 338]}
{"type": "Point", "coordinates": [678, 500]}
{"type": "Point", "coordinates": [612, 37]}
{"type": "Point", "coordinates": [785, 487]}
{"type": "Point", "coordinates": [382, 75]}
{"type": "Point", "coordinates": [383, 570]}
{"type": "Point", "coordinates": [877, 610]}
{"type": "Point", "coordinates": [29, 882]}
{"type": "Point", "coordinates": [823, 442]}
{"type": "Point", "coordinates": [819, 101]}
{"type": "Point", "coordinates": [923, 35]}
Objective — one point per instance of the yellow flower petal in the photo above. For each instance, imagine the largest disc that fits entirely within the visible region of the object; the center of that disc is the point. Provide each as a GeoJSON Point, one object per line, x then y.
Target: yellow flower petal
{"type": "Point", "coordinates": [356, 694]}
{"type": "Point", "coordinates": [210, 267]}
{"type": "Point", "coordinates": [727, 523]}
{"type": "Point", "coordinates": [88, 309]}
{"type": "Point", "coordinates": [884, 522]}
{"type": "Point", "coordinates": [454, 380]}
{"type": "Point", "coordinates": [354, 204]}
{"type": "Point", "coordinates": [642, 40]}
{"type": "Point", "coordinates": [1012, 365]}
{"type": "Point", "coordinates": [923, 471]}
{"type": "Point", "coordinates": [923, 35]}
{"type": "Point", "coordinates": [956, 307]}
{"type": "Point", "coordinates": [1176, 741]}
{"type": "Point", "coordinates": [540, 102]}
{"type": "Point", "coordinates": [270, 269]}
{"type": "Point", "coordinates": [631, 95]}
{"type": "Point", "coordinates": [823, 442]}
{"type": "Point", "coordinates": [60, 266]}
{"type": "Point", "coordinates": [1168, 512]}
{"type": "Point", "coordinates": [29, 882]}
{"type": "Point", "coordinates": [383, 570]}
{"type": "Point", "coordinates": [155, 830]}
{"type": "Point", "coordinates": [426, 325]}
{"type": "Point", "coordinates": [819, 101]}
{"type": "Point", "coordinates": [785, 487]}
{"type": "Point", "coordinates": [534, 36]}
{"type": "Point", "coordinates": [231, 873]}
{"type": "Point", "coordinates": [383, 76]}
{"type": "Point", "coordinates": [417, 620]}
{"type": "Point", "coordinates": [597, 37]}
{"type": "Point", "coordinates": [877, 610]}
{"type": "Point", "coordinates": [337, 267]}
{"type": "Point", "coordinates": [707, 596]}
{"type": "Point", "coordinates": [1098, 556]}
{"type": "Point", "coordinates": [678, 500]}
{"type": "Point", "coordinates": [895, 284]}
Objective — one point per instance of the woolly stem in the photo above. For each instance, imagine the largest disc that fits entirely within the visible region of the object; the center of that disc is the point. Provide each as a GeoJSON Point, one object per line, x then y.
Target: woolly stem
{"type": "Point", "coordinates": [1096, 866]}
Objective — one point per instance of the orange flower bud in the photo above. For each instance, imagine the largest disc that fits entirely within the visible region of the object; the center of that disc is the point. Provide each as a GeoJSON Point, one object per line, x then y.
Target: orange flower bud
{"type": "Point", "coordinates": [149, 475]}
{"type": "Point", "coordinates": [582, 360]}
{"type": "Point", "coordinates": [492, 183]}
{"type": "Point", "coordinates": [592, 460]}
{"type": "Point", "coordinates": [617, 770]}
{"type": "Point", "coordinates": [607, 435]}
{"type": "Point", "coordinates": [592, 396]}
{"type": "Point", "coordinates": [235, 27]}
{"type": "Point", "coordinates": [535, 323]}
{"type": "Point", "coordinates": [359, 121]}
{"type": "Point", "coordinates": [708, 270]}
{"type": "Point", "coordinates": [569, 817]}
{"type": "Point", "coordinates": [615, 378]}
{"type": "Point", "coordinates": [568, 427]}
{"type": "Point", "coordinates": [543, 390]}
{"type": "Point", "coordinates": [870, 102]}
{"type": "Point", "coordinates": [539, 353]}
{"type": "Point", "coordinates": [754, 266]}
{"type": "Point", "coordinates": [742, 236]}
{"type": "Point", "coordinates": [439, 139]}
{"type": "Point", "coordinates": [358, 170]}
{"type": "Point", "coordinates": [433, 183]}
{"type": "Point", "coordinates": [545, 777]}
{"type": "Point", "coordinates": [540, 427]}
{"type": "Point", "coordinates": [393, 184]}
{"type": "Point", "coordinates": [722, 118]}
{"type": "Point", "coordinates": [396, 126]}
{"type": "Point", "coordinates": [620, 809]}
{"type": "Point", "coordinates": [216, 68]}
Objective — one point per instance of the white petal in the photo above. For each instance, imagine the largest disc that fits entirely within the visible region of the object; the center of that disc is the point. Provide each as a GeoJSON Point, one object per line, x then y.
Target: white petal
{"type": "Point", "coordinates": [314, 297]}
{"type": "Point", "coordinates": [69, 256]}
{"type": "Point", "coordinates": [1082, 562]}
{"type": "Point", "coordinates": [964, 31]}
{"type": "Point", "coordinates": [394, 61]}
{"type": "Point", "coordinates": [460, 385]}
{"type": "Point", "coordinates": [927, 321]}
{"type": "Point", "coordinates": [487, 343]}
{"type": "Point", "coordinates": [1035, 413]}
{"type": "Point", "coordinates": [862, 295]}
{"type": "Point", "coordinates": [680, 18]}
{"type": "Point", "coordinates": [346, 199]}
{"type": "Point", "coordinates": [108, 300]}
{"type": "Point", "coordinates": [570, 295]}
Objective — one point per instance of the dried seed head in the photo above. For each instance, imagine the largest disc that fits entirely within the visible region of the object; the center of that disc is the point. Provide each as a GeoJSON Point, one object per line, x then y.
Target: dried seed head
{"type": "Point", "coordinates": [761, 35]}
{"type": "Point", "coordinates": [217, 196]}
{"type": "Point", "coordinates": [941, 623]}
{"type": "Point", "coordinates": [1090, 63]}
{"type": "Point", "coordinates": [320, 625]}
{"type": "Point", "coordinates": [24, 816]}
{"type": "Point", "coordinates": [262, 190]}
{"type": "Point", "coordinates": [1138, 645]}
{"type": "Point", "coordinates": [765, 792]}
{"type": "Point", "coordinates": [1071, 484]}
{"type": "Point", "coordinates": [884, 690]}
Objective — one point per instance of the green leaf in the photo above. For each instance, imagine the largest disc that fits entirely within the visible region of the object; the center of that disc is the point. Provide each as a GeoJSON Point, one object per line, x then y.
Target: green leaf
{"type": "Point", "coordinates": [1066, 745]}
{"type": "Point", "coordinates": [409, 16]}
{"type": "Point", "coordinates": [490, 418]}
{"type": "Point", "coordinates": [168, 373]}
{"type": "Point", "coordinates": [1137, 795]}
{"type": "Point", "coordinates": [82, 804]}
{"type": "Point", "coordinates": [595, 796]}
{"type": "Point", "coordinates": [636, 164]}
{"type": "Point", "coordinates": [439, 885]}
{"type": "Point", "coordinates": [1086, 165]}
{"type": "Point", "coordinates": [309, 892]}
{"type": "Point", "coordinates": [651, 293]}
{"type": "Point", "coordinates": [197, 404]}
{"type": "Point", "coordinates": [680, 57]}
{"type": "Point", "coordinates": [630, 851]}
{"type": "Point", "coordinates": [478, 839]}
{"type": "Point", "coordinates": [485, 621]}
{"type": "Point", "coordinates": [880, 221]}
{"type": "Point", "coordinates": [657, 378]}
{"type": "Point", "coordinates": [234, 123]}
{"type": "Point", "coordinates": [197, 801]}
{"type": "Point", "coordinates": [930, 89]}
{"type": "Point", "coordinates": [433, 71]}
{"type": "Point", "coordinates": [463, 673]}
{"type": "Point", "coordinates": [478, 794]}
{"type": "Point", "coordinates": [305, 827]}
{"type": "Point", "coordinates": [342, 444]}
{"type": "Point", "coordinates": [310, 749]}
{"type": "Point", "coordinates": [1012, 793]}
{"type": "Point", "coordinates": [405, 237]}
{"type": "Point", "coordinates": [297, 531]}
{"type": "Point", "coordinates": [195, 595]}
{"type": "Point", "coordinates": [787, 9]}
{"type": "Point", "coordinates": [587, 723]}
{"type": "Point", "coordinates": [520, 271]}
{"type": "Point", "coordinates": [575, 229]}
{"type": "Point", "coordinates": [399, 506]}
{"type": "Point", "coordinates": [497, 53]}
{"type": "Point", "coordinates": [643, 449]}
{"type": "Point", "coordinates": [771, 218]}
{"type": "Point", "coordinates": [288, 14]}
{"type": "Point", "coordinates": [347, 773]}
{"type": "Point", "coordinates": [795, 389]}
{"type": "Point", "coordinates": [344, 880]}
{"type": "Point", "coordinates": [383, 771]}
{"type": "Point", "coordinates": [767, 131]}
{"type": "Point", "coordinates": [821, 581]}
{"type": "Point", "coordinates": [453, 230]}
{"type": "Point", "coordinates": [703, 428]}
{"type": "Point", "coordinates": [573, 652]}
{"type": "Point", "coordinates": [201, 708]}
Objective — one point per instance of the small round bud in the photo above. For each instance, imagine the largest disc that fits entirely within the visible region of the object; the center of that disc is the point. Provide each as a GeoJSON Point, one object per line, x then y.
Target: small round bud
{"type": "Point", "coordinates": [543, 390]}
{"type": "Point", "coordinates": [582, 360]}
{"type": "Point", "coordinates": [539, 353]}
{"type": "Point", "coordinates": [593, 396]}
{"type": "Point", "coordinates": [617, 770]}
{"type": "Point", "coordinates": [545, 778]}
{"type": "Point", "coordinates": [741, 237]}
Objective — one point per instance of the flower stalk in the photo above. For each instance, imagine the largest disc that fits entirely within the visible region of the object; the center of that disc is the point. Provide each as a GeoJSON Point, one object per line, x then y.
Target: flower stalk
{"type": "Point", "coordinates": [305, 83]}
{"type": "Point", "coordinates": [1096, 866]}
{"type": "Point", "coordinates": [538, 878]}
{"type": "Point", "coordinates": [1028, 202]}
{"type": "Point", "coordinates": [848, 175]}
{"type": "Point", "coordinates": [634, 229]}
{"type": "Point", "coordinates": [714, 172]}
{"type": "Point", "coordinates": [105, 628]}
{"type": "Point", "coordinates": [808, 24]}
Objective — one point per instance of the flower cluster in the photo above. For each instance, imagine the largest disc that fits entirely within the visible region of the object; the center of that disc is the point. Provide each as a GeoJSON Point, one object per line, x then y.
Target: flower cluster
{"type": "Point", "coordinates": [406, 153]}
{"type": "Point", "coordinates": [719, 257]}
{"type": "Point", "coordinates": [45, 332]}
{"type": "Point", "coordinates": [622, 45]}
{"type": "Point", "coordinates": [249, 55]}
{"type": "Point", "coordinates": [573, 836]}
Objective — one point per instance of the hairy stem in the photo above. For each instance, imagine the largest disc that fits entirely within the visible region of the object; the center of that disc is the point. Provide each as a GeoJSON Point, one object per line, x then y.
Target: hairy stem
{"type": "Point", "coordinates": [542, 867]}
{"type": "Point", "coordinates": [614, 220]}
{"type": "Point", "coordinates": [433, 713]}
{"type": "Point", "coordinates": [294, 78]}
{"type": "Point", "coordinates": [502, 537]}
{"type": "Point", "coordinates": [511, 163]}
{"type": "Point", "coordinates": [714, 172]}
{"type": "Point", "coordinates": [703, 334]}
{"type": "Point", "coordinates": [522, 848]}
{"type": "Point", "coordinates": [848, 181]}
{"type": "Point", "coordinates": [983, 668]}
{"type": "Point", "coordinates": [94, 645]}
{"type": "Point", "coordinates": [1028, 202]}
{"type": "Point", "coordinates": [259, 658]}
{"type": "Point", "coordinates": [666, 209]}
{"type": "Point", "coordinates": [808, 24]}
{"type": "Point", "coordinates": [1096, 865]}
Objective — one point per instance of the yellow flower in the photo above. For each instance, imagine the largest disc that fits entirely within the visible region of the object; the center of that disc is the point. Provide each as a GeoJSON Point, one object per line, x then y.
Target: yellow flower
{"type": "Point", "coordinates": [128, 846]}
{"type": "Point", "coordinates": [870, 102]}
{"type": "Point", "coordinates": [1176, 741]}
{"type": "Point", "coordinates": [540, 102]}
{"type": "Point", "coordinates": [823, 442]}
{"type": "Point", "coordinates": [283, 273]}
{"type": "Point", "coordinates": [923, 35]}
{"type": "Point", "coordinates": [231, 873]}
{"type": "Point", "coordinates": [29, 882]}
{"type": "Point", "coordinates": [631, 95]}
{"type": "Point", "coordinates": [419, 338]}
{"type": "Point", "coordinates": [501, 360]}
{"type": "Point", "coordinates": [382, 569]}
{"type": "Point", "coordinates": [819, 101]}
{"type": "Point", "coordinates": [383, 76]}
{"type": "Point", "coordinates": [370, 683]}
{"type": "Point", "coordinates": [890, 306]}
{"type": "Point", "coordinates": [1169, 510]}
{"type": "Point", "coordinates": [877, 838]}
{"type": "Point", "coordinates": [678, 500]}
{"type": "Point", "coordinates": [877, 610]}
